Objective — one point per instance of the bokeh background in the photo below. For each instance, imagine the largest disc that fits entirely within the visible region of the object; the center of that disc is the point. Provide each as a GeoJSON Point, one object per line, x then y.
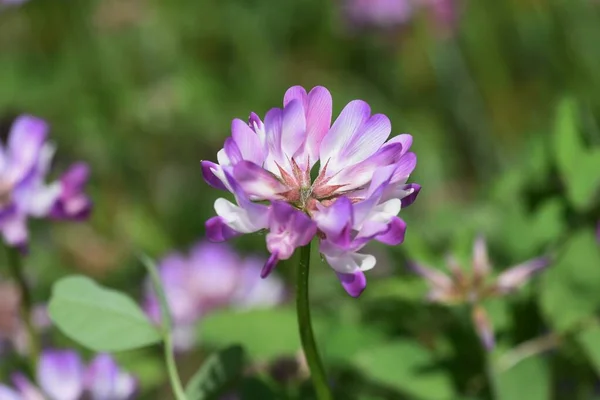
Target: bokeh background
{"type": "Point", "coordinates": [502, 98]}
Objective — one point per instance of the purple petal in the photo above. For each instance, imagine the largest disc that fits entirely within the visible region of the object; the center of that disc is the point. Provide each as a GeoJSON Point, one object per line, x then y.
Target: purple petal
{"type": "Point", "coordinates": [73, 203]}
{"type": "Point", "coordinates": [218, 231]}
{"type": "Point", "coordinates": [336, 221]}
{"type": "Point", "coordinates": [256, 181]}
{"type": "Point", "coordinates": [14, 229]}
{"type": "Point", "coordinates": [481, 262]}
{"type": "Point", "coordinates": [408, 200]}
{"type": "Point", "coordinates": [7, 393]}
{"type": "Point", "coordinates": [209, 176]}
{"type": "Point", "coordinates": [354, 283]}
{"type": "Point", "coordinates": [344, 129]}
{"type": "Point", "coordinates": [317, 108]}
{"type": "Point", "coordinates": [296, 93]}
{"type": "Point", "coordinates": [404, 167]}
{"type": "Point", "coordinates": [233, 151]}
{"type": "Point", "coordinates": [269, 265]}
{"type": "Point", "coordinates": [26, 389]}
{"type": "Point", "coordinates": [60, 374]}
{"type": "Point", "coordinates": [367, 140]}
{"type": "Point", "coordinates": [105, 381]}
{"type": "Point", "coordinates": [435, 278]}
{"type": "Point", "coordinates": [293, 128]}
{"type": "Point", "coordinates": [515, 277]}
{"type": "Point", "coordinates": [395, 234]}
{"type": "Point", "coordinates": [25, 141]}
{"type": "Point", "coordinates": [289, 228]}
{"type": "Point", "coordinates": [484, 327]}
{"type": "Point", "coordinates": [404, 139]}
{"type": "Point", "coordinates": [247, 142]}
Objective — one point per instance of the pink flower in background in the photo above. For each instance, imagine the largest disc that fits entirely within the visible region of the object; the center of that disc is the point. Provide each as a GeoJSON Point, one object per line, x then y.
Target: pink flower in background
{"type": "Point", "coordinates": [391, 13]}
{"type": "Point", "coordinates": [359, 188]}
{"type": "Point", "coordinates": [473, 289]}
{"type": "Point", "coordinates": [212, 276]}
{"type": "Point", "coordinates": [61, 375]}
{"type": "Point", "coordinates": [24, 165]}
{"type": "Point", "coordinates": [381, 13]}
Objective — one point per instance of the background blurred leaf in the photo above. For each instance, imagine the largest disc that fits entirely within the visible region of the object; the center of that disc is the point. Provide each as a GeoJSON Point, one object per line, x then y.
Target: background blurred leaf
{"type": "Point", "coordinates": [589, 339]}
{"type": "Point", "coordinates": [578, 166]}
{"type": "Point", "coordinates": [570, 288]}
{"type": "Point", "coordinates": [407, 367]}
{"type": "Point", "coordinates": [98, 318]}
{"type": "Point", "coordinates": [264, 333]}
{"type": "Point", "coordinates": [529, 379]}
{"type": "Point", "coordinates": [219, 372]}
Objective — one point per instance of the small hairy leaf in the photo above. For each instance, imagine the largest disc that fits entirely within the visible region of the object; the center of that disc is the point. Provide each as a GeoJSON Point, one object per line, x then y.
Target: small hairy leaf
{"type": "Point", "coordinates": [219, 373]}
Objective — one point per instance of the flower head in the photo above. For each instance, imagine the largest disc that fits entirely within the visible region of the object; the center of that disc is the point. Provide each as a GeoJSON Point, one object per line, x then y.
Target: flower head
{"type": "Point", "coordinates": [461, 288]}
{"type": "Point", "coordinates": [62, 375]}
{"type": "Point", "coordinates": [212, 276]}
{"type": "Point", "coordinates": [24, 164]}
{"type": "Point", "coordinates": [359, 188]}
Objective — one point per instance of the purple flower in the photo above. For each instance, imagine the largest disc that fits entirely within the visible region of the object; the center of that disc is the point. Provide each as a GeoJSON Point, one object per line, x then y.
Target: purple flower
{"type": "Point", "coordinates": [212, 276]}
{"type": "Point", "coordinates": [62, 375]}
{"type": "Point", "coordinates": [24, 164]}
{"type": "Point", "coordinates": [473, 289]}
{"type": "Point", "coordinates": [73, 203]}
{"type": "Point", "coordinates": [360, 188]}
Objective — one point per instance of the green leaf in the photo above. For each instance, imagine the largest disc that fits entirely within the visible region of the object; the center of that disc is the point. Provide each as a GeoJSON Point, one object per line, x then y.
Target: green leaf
{"type": "Point", "coordinates": [343, 340]}
{"type": "Point", "coordinates": [529, 379]}
{"type": "Point", "coordinates": [578, 167]}
{"type": "Point", "coordinates": [218, 373]}
{"type": "Point", "coordinates": [255, 389]}
{"type": "Point", "coordinates": [570, 289]}
{"type": "Point", "coordinates": [406, 367]}
{"type": "Point", "coordinates": [99, 318]}
{"type": "Point", "coordinates": [589, 339]}
{"type": "Point", "coordinates": [264, 334]}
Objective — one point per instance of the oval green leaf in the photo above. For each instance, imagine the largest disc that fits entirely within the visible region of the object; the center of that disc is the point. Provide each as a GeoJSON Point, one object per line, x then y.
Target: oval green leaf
{"type": "Point", "coordinates": [99, 318]}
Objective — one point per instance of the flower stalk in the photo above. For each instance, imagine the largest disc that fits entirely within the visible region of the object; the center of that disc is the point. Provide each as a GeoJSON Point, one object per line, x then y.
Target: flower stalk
{"type": "Point", "coordinates": [174, 378]}
{"type": "Point", "coordinates": [25, 306]}
{"type": "Point", "coordinates": [311, 352]}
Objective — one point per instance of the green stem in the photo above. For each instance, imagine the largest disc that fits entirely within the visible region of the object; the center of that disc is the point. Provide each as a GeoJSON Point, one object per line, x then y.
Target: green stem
{"type": "Point", "coordinates": [317, 372]}
{"type": "Point", "coordinates": [491, 372]}
{"type": "Point", "coordinates": [172, 368]}
{"type": "Point", "coordinates": [25, 307]}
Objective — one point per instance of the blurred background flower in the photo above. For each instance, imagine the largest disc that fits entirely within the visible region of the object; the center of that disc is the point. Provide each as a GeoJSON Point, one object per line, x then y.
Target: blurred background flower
{"type": "Point", "coordinates": [62, 375]}
{"type": "Point", "coordinates": [211, 277]}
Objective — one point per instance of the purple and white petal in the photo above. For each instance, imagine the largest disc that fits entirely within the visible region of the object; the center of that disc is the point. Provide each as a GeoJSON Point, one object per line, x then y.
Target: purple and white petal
{"type": "Point", "coordinates": [106, 381]}
{"type": "Point", "coordinates": [515, 277]}
{"type": "Point", "coordinates": [61, 374]}
{"type": "Point", "coordinates": [25, 141]}
{"type": "Point", "coordinates": [483, 327]}
{"type": "Point", "coordinates": [481, 262]}
{"type": "Point", "coordinates": [354, 284]}
{"type": "Point", "coordinates": [6, 393]}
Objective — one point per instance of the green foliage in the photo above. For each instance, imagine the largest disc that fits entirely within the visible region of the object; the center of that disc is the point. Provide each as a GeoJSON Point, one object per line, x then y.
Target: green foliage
{"type": "Point", "coordinates": [407, 367]}
{"type": "Point", "coordinates": [218, 373]}
{"type": "Point", "coordinates": [589, 339]}
{"type": "Point", "coordinates": [264, 334]}
{"type": "Point", "coordinates": [529, 379]}
{"type": "Point", "coordinates": [578, 166]}
{"type": "Point", "coordinates": [569, 289]}
{"type": "Point", "coordinates": [99, 318]}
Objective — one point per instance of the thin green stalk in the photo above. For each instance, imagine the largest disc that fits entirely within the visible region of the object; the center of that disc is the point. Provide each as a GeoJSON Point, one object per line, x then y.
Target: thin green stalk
{"type": "Point", "coordinates": [317, 372]}
{"type": "Point", "coordinates": [491, 372]}
{"type": "Point", "coordinates": [172, 368]}
{"type": "Point", "coordinates": [25, 307]}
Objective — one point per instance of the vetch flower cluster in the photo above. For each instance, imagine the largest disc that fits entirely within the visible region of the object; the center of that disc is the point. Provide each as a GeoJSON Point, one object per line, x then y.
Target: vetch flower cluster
{"type": "Point", "coordinates": [212, 276]}
{"type": "Point", "coordinates": [359, 184]}
{"type": "Point", "coordinates": [24, 164]}
{"type": "Point", "coordinates": [62, 375]}
{"type": "Point", "coordinates": [473, 289]}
